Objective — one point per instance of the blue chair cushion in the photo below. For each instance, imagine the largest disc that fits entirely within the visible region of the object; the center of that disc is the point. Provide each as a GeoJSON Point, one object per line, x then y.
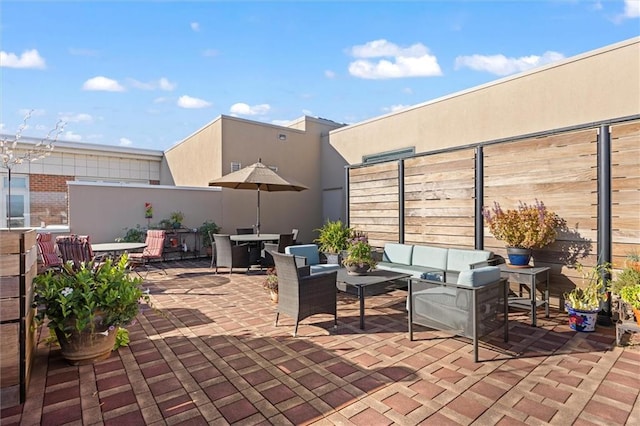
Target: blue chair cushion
{"type": "Point", "coordinates": [479, 276]}
{"type": "Point", "coordinates": [309, 251]}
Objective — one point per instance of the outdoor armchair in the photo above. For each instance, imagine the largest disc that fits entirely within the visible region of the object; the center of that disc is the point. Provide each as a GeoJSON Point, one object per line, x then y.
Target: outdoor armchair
{"type": "Point", "coordinates": [472, 307]}
{"type": "Point", "coordinates": [230, 255]}
{"type": "Point", "coordinates": [76, 249]}
{"type": "Point", "coordinates": [301, 295]}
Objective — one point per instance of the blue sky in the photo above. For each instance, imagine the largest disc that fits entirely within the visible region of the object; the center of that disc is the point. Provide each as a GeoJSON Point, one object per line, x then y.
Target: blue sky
{"type": "Point", "coordinates": [148, 74]}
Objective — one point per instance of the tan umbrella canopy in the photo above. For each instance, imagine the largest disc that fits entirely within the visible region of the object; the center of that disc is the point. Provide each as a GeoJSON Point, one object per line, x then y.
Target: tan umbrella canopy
{"type": "Point", "coordinates": [259, 177]}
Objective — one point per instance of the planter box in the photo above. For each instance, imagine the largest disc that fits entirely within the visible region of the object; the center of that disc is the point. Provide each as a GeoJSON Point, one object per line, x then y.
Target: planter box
{"type": "Point", "coordinates": [18, 267]}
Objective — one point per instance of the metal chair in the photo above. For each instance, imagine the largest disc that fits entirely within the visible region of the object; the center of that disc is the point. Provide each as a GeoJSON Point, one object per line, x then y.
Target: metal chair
{"type": "Point", "coordinates": [230, 255]}
{"type": "Point", "coordinates": [152, 252]}
{"type": "Point", "coordinates": [47, 251]}
{"type": "Point", "coordinates": [301, 295]}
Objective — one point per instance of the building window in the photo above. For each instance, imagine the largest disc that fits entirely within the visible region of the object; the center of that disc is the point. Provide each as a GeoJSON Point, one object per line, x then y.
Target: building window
{"type": "Point", "coordinates": [235, 166]}
{"type": "Point", "coordinates": [15, 211]}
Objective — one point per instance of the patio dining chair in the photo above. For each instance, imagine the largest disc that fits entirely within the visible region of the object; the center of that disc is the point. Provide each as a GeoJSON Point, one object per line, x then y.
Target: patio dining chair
{"type": "Point", "coordinates": [230, 255]}
{"type": "Point", "coordinates": [76, 249]}
{"type": "Point", "coordinates": [47, 251]}
{"type": "Point", "coordinates": [151, 256]}
{"type": "Point", "coordinates": [284, 240]}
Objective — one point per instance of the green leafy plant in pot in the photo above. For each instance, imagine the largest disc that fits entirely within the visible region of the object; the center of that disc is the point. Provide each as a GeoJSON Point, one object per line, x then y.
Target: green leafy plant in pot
{"type": "Point", "coordinates": [206, 229]}
{"type": "Point", "coordinates": [359, 259]}
{"type": "Point", "coordinates": [583, 303]}
{"type": "Point", "coordinates": [86, 306]}
{"type": "Point", "coordinates": [627, 285]}
{"type": "Point", "coordinates": [271, 283]}
{"type": "Point", "coordinates": [333, 238]}
{"type": "Point", "coordinates": [523, 229]}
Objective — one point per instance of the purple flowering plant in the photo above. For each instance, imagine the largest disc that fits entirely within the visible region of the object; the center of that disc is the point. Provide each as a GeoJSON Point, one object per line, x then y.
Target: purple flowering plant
{"type": "Point", "coordinates": [359, 251]}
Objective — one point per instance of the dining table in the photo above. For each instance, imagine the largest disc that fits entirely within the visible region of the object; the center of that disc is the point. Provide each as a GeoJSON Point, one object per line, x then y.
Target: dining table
{"type": "Point", "coordinates": [116, 248]}
{"type": "Point", "coordinates": [255, 243]}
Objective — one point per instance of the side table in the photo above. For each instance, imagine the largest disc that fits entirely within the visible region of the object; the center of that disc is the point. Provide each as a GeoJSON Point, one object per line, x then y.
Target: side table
{"type": "Point", "coordinates": [530, 277]}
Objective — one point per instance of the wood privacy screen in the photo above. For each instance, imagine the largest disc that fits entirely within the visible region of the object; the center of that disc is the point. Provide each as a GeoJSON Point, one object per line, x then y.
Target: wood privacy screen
{"type": "Point", "coordinates": [559, 169]}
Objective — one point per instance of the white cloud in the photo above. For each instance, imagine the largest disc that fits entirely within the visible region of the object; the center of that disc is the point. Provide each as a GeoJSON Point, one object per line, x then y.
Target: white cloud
{"type": "Point", "coordinates": [70, 136]}
{"type": "Point", "coordinates": [330, 74]}
{"type": "Point", "coordinates": [408, 90]}
{"type": "Point", "coordinates": [394, 108]}
{"type": "Point", "coordinates": [632, 8]}
{"type": "Point", "coordinates": [2, 126]}
{"type": "Point", "coordinates": [162, 84]}
{"type": "Point", "coordinates": [192, 103]}
{"type": "Point", "coordinates": [195, 26]}
{"type": "Point", "coordinates": [101, 83]}
{"type": "Point", "coordinates": [125, 142]}
{"type": "Point", "coordinates": [307, 112]}
{"type": "Point", "coordinates": [244, 109]}
{"type": "Point", "coordinates": [501, 65]}
{"type": "Point", "coordinates": [161, 100]}
{"type": "Point", "coordinates": [412, 61]}
{"type": "Point", "coordinates": [76, 118]}
{"type": "Point", "coordinates": [28, 59]}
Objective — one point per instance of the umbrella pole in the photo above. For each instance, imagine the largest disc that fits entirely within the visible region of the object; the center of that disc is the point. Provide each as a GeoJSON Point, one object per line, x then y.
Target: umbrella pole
{"type": "Point", "coordinates": [258, 221]}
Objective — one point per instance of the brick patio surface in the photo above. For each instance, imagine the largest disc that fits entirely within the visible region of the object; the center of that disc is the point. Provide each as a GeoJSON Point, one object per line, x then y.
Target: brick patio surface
{"type": "Point", "coordinates": [213, 356]}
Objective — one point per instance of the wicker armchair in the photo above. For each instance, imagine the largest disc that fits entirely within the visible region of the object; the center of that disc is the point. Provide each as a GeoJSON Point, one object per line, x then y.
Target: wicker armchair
{"type": "Point", "coordinates": [229, 255]}
{"type": "Point", "coordinates": [301, 295]}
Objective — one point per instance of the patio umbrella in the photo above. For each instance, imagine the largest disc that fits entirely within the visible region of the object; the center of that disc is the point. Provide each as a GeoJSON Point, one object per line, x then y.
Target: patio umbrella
{"type": "Point", "coordinates": [259, 177]}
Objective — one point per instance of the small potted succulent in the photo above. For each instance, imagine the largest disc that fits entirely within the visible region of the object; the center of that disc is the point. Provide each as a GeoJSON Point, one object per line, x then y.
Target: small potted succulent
{"type": "Point", "coordinates": [523, 229]}
{"type": "Point", "coordinates": [583, 303]}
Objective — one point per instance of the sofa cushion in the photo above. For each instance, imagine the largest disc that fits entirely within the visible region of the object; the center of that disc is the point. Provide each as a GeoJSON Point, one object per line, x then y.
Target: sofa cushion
{"type": "Point", "coordinates": [309, 251]}
{"type": "Point", "coordinates": [432, 257]}
{"type": "Point", "coordinates": [460, 259]}
{"type": "Point", "coordinates": [414, 271]}
{"type": "Point", "coordinates": [397, 253]}
{"type": "Point", "coordinates": [479, 276]}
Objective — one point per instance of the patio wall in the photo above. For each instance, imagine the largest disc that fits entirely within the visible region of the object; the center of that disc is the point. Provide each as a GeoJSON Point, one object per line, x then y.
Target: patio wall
{"type": "Point", "coordinates": [560, 169]}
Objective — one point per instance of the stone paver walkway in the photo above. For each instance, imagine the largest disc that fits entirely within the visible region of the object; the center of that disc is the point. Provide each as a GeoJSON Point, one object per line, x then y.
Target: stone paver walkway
{"type": "Point", "coordinates": [215, 357]}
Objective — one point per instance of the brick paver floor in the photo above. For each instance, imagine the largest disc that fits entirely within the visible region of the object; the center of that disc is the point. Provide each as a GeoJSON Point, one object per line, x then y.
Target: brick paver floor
{"type": "Point", "coordinates": [212, 355]}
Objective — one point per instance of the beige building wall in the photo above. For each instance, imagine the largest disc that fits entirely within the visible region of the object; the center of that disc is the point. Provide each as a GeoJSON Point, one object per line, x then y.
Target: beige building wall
{"type": "Point", "coordinates": [595, 86]}
{"type": "Point", "coordinates": [103, 211]}
{"type": "Point", "coordinates": [295, 150]}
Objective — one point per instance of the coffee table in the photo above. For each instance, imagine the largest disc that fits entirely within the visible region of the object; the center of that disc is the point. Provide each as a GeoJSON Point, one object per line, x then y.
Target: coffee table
{"type": "Point", "coordinates": [359, 284]}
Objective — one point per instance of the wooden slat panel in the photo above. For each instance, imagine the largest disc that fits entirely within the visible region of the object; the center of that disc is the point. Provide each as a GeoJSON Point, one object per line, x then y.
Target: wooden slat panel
{"type": "Point", "coordinates": [9, 286]}
{"type": "Point", "coordinates": [10, 264]}
{"type": "Point", "coordinates": [625, 130]}
{"type": "Point", "coordinates": [9, 355]}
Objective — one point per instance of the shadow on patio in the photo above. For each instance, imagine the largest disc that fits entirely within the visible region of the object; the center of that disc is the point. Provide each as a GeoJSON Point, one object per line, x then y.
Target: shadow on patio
{"type": "Point", "coordinates": [215, 357]}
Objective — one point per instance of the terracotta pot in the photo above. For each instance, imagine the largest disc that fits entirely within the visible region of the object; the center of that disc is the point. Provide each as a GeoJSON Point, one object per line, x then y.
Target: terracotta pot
{"type": "Point", "coordinates": [636, 313]}
{"type": "Point", "coordinates": [81, 348]}
{"type": "Point", "coordinates": [274, 295]}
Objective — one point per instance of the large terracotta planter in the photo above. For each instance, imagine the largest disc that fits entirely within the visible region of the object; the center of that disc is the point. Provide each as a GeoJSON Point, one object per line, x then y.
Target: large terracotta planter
{"type": "Point", "coordinates": [636, 313]}
{"type": "Point", "coordinates": [81, 348]}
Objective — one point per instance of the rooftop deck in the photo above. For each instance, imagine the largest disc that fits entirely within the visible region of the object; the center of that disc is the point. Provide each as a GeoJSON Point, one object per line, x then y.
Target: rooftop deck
{"type": "Point", "coordinates": [215, 357]}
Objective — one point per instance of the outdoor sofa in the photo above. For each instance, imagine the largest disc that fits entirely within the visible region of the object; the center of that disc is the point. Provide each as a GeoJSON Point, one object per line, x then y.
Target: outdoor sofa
{"type": "Point", "coordinates": [430, 262]}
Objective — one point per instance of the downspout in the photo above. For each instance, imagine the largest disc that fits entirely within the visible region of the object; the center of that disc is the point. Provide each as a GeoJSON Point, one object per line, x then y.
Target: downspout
{"type": "Point", "coordinates": [401, 201]}
{"type": "Point", "coordinates": [346, 195]}
{"type": "Point", "coordinates": [604, 212]}
{"type": "Point", "coordinates": [479, 183]}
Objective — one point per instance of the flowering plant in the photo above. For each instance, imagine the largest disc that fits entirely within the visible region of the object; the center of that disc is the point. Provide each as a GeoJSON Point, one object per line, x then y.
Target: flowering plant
{"type": "Point", "coordinates": [271, 281]}
{"type": "Point", "coordinates": [93, 297]}
{"type": "Point", "coordinates": [528, 226]}
{"type": "Point", "coordinates": [359, 251]}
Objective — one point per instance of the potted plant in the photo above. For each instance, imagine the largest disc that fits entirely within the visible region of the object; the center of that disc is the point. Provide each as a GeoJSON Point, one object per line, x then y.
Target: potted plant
{"type": "Point", "coordinates": [133, 235]}
{"type": "Point", "coordinates": [633, 261]}
{"type": "Point", "coordinates": [207, 229]}
{"type": "Point", "coordinates": [359, 260]}
{"type": "Point", "coordinates": [85, 306]}
{"type": "Point", "coordinates": [176, 219]}
{"type": "Point", "coordinates": [332, 239]}
{"type": "Point", "coordinates": [523, 229]}
{"type": "Point", "coordinates": [627, 285]}
{"type": "Point", "coordinates": [583, 303]}
{"type": "Point", "coordinates": [271, 283]}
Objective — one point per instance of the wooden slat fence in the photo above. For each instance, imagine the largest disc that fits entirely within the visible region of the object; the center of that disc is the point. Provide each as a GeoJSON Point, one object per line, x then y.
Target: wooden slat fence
{"type": "Point", "coordinates": [559, 169]}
